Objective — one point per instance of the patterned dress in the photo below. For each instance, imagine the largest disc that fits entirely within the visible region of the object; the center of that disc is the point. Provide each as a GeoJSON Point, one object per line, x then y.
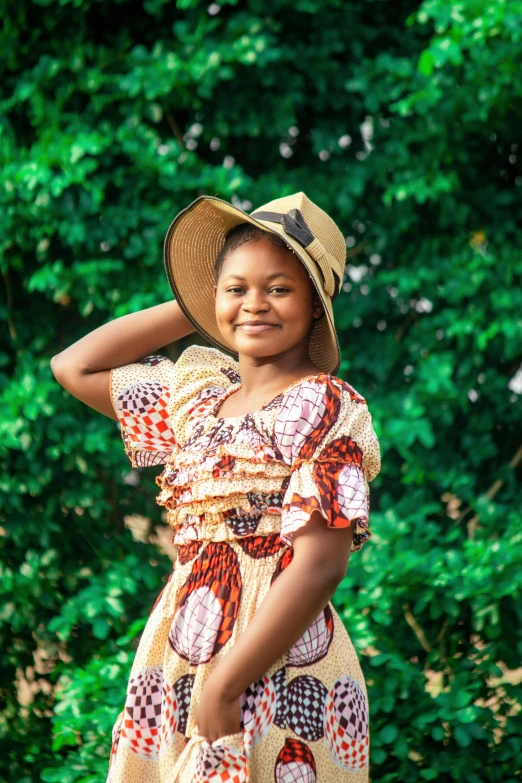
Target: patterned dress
{"type": "Point", "coordinates": [236, 489]}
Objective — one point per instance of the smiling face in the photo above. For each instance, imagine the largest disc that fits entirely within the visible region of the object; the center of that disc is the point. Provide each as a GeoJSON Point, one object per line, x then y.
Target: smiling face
{"type": "Point", "coordinates": [265, 301]}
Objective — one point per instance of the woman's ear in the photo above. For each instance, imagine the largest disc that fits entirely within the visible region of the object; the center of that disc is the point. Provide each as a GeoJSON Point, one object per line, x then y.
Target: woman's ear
{"type": "Point", "coordinates": [214, 290]}
{"type": "Point", "coordinates": [318, 309]}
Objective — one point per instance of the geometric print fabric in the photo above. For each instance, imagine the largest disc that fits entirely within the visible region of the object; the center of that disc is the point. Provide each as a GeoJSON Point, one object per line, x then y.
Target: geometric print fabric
{"type": "Point", "coordinates": [317, 444]}
{"type": "Point", "coordinates": [300, 725]}
{"type": "Point", "coordinates": [148, 723]}
{"type": "Point", "coordinates": [346, 724]}
{"type": "Point", "coordinates": [143, 412]}
{"type": "Point", "coordinates": [305, 719]}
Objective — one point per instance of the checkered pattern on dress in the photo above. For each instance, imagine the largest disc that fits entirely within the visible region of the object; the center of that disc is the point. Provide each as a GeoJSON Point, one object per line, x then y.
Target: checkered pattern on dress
{"type": "Point", "coordinates": [207, 604]}
{"type": "Point", "coordinates": [183, 688]}
{"type": "Point", "coordinates": [219, 434]}
{"type": "Point", "coordinates": [352, 492]}
{"type": "Point", "coordinates": [142, 409]}
{"type": "Point", "coordinates": [305, 696]}
{"type": "Point", "coordinates": [279, 680]}
{"type": "Point", "coordinates": [314, 643]}
{"type": "Point", "coordinates": [346, 724]}
{"type": "Point", "coordinates": [116, 734]}
{"type": "Point", "coordinates": [258, 709]}
{"type": "Point", "coordinates": [195, 627]}
{"type": "Point", "coordinates": [299, 415]}
{"type": "Point", "coordinates": [152, 360]}
{"type": "Point", "coordinates": [220, 764]}
{"type": "Point", "coordinates": [260, 547]}
{"type": "Point", "coordinates": [295, 763]}
{"type": "Point", "coordinates": [241, 522]}
{"type": "Point", "coordinates": [140, 729]}
{"type": "Point", "coordinates": [249, 433]}
{"type": "Point", "coordinates": [266, 501]}
{"type": "Point", "coordinates": [203, 403]}
{"type": "Point", "coordinates": [189, 551]}
{"type": "Point", "coordinates": [169, 715]}
{"type": "Point", "coordinates": [327, 469]}
{"type": "Point", "coordinates": [232, 375]}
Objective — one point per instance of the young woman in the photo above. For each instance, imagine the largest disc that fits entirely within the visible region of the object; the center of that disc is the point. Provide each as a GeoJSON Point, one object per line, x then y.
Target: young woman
{"type": "Point", "coordinates": [244, 671]}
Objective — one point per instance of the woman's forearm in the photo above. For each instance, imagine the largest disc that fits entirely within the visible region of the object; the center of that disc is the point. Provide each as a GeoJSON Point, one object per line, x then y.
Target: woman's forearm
{"type": "Point", "coordinates": [125, 340]}
{"type": "Point", "coordinates": [292, 603]}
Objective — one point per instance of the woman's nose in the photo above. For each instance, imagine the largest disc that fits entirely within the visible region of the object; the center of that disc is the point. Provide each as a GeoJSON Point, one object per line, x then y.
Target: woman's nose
{"type": "Point", "coordinates": [255, 302]}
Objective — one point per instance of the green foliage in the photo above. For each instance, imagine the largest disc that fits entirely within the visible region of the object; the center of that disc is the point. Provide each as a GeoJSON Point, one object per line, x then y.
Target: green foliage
{"type": "Point", "coordinates": [402, 120]}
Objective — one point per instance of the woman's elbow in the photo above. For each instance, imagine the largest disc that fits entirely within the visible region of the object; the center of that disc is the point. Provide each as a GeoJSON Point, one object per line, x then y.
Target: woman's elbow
{"type": "Point", "coordinates": [56, 366]}
{"type": "Point", "coordinates": [62, 370]}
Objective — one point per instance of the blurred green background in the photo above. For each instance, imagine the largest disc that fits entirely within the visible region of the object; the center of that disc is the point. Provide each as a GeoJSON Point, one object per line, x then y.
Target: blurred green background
{"type": "Point", "coordinates": [404, 122]}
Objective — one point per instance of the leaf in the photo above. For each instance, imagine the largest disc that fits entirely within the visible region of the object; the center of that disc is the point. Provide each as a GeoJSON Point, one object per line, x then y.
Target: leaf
{"type": "Point", "coordinates": [425, 65]}
{"type": "Point", "coordinates": [389, 733]}
{"type": "Point", "coordinates": [462, 737]}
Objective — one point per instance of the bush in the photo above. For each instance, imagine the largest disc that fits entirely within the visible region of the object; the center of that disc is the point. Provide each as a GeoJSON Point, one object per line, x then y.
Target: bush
{"type": "Point", "coordinates": [400, 120]}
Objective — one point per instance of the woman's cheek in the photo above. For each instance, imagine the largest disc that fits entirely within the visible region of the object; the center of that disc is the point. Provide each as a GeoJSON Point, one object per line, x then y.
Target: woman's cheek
{"type": "Point", "coordinates": [226, 316]}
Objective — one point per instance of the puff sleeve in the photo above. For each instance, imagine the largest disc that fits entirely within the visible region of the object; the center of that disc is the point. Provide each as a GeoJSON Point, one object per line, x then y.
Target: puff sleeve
{"type": "Point", "coordinates": [155, 397]}
{"type": "Point", "coordinates": [324, 431]}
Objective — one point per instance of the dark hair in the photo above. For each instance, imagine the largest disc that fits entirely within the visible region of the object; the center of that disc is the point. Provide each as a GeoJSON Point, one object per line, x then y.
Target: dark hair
{"type": "Point", "coordinates": [238, 235]}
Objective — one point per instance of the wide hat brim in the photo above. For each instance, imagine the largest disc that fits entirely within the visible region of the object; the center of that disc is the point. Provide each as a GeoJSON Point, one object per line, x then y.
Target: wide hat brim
{"type": "Point", "coordinates": [193, 241]}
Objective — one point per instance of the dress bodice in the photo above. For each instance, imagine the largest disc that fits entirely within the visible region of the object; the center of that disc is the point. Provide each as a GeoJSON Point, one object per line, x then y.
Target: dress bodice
{"type": "Point", "coordinates": [313, 447]}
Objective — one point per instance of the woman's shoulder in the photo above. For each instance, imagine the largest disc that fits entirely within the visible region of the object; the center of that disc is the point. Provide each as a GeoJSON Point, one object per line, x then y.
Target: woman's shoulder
{"type": "Point", "coordinates": [318, 412]}
{"type": "Point", "coordinates": [196, 362]}
{"type": "Point", "coordinates": [159, 381]}
{"type": "Point", "coordinates": [206, 360]}
{"type": "Point", "coordinates": [324, 387]}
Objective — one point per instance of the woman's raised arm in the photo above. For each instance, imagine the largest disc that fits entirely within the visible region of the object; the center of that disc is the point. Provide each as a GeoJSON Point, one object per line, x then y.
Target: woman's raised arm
{"type": "Point", "coordinates": [83, 369]}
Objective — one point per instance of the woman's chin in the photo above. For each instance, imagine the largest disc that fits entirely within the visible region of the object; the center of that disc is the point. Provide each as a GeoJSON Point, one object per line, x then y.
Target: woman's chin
{"type": "Point", "coordinates": [256, 346]}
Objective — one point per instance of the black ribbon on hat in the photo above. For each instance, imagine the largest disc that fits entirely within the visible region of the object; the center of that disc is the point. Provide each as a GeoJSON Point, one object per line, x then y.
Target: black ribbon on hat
{"type": "Point", "coordinates": [296, 226]}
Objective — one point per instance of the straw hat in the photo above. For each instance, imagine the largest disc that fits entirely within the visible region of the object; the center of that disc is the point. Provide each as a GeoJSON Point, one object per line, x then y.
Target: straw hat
{"type": "Point", "coordinates": [197, 234]}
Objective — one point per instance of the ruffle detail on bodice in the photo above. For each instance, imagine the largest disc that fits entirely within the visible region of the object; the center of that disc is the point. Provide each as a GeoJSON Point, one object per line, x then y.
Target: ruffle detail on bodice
{"type": "Point", "coordinates": [216, 496]}
{"type": "Point", "coordinates": [223, 461]}
{"type": "Point", "coordinates": [259, 454]}
{"type": "Point", "coordinates": [224, 492]}
{"type": "Point", "coordinates": [201, 488]}
{"type": "Point", "coordinates": [312, 448]}
{"type": "Point", "coordinates": [191, 477]}
{"type": "Point", "coordinates": [214, 528]}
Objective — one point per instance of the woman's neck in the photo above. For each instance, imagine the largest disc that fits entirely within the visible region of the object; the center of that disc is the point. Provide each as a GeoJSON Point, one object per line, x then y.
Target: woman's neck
{"type": "Point", "coordinates": [264, 377]}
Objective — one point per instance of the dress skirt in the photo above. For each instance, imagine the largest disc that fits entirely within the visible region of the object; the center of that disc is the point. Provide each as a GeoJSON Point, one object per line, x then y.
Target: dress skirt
{"type": "Point", "coordinates": [304, 720]}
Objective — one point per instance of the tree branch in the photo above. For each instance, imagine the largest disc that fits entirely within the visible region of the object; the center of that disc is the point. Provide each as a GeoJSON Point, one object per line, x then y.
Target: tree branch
{"type": "Point", "coordinates": [419, 633]}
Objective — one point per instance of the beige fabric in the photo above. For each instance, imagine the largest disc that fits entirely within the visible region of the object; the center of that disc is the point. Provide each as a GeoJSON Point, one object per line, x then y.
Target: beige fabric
{"type": "Point", "coordinates": [236, 489]}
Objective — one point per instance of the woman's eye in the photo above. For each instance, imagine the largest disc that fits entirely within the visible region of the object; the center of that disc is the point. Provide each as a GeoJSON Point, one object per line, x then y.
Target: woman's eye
{"type": "Point", "coordinates": [238, 289]}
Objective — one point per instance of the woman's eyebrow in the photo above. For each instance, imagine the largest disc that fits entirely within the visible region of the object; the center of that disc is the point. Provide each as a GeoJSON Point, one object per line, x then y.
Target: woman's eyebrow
{"type": "Point", "coordinates": [279, 274]}
{"type": "Point", "coordinates": [270, 277]}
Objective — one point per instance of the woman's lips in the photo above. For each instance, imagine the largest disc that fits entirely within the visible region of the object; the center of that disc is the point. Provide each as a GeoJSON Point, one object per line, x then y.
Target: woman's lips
{"type": "Point", "coordinates": [256, 328]}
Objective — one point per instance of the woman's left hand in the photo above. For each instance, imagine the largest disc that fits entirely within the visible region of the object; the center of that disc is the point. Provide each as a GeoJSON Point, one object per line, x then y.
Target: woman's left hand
{"type": "Point", "coordinates": [216, 715]}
